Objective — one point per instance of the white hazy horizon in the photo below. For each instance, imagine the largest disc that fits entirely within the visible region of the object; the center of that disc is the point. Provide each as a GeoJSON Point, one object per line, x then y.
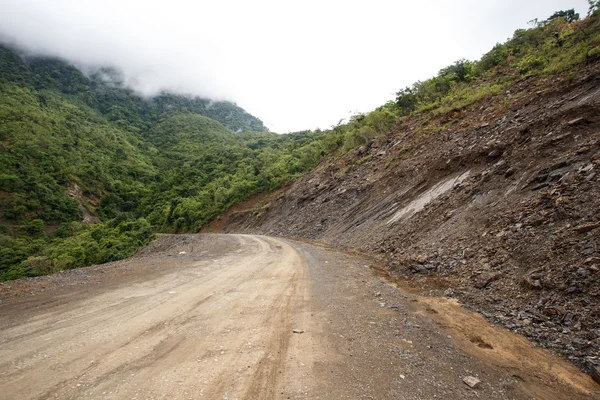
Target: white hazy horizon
{"type": "Point", "coordinates": [301, 65]}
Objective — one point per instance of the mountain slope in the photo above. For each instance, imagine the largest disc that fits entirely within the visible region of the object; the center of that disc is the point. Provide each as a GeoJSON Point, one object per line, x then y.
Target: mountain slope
{"type": "Point", "coordinates": [78, 150]}
{"type": "Point", "coordinates": [105, 91]}
{"type": "Point", "coordinates": [488, 194]}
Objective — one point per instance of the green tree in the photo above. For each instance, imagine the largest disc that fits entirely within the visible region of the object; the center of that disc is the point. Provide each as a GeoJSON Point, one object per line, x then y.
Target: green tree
{"type": "Point", "coordinates": [568, 15]}
{"type": "Point", "coordinates": [35, 227]}
{"type": "Point", "coordinates": [406, 99]}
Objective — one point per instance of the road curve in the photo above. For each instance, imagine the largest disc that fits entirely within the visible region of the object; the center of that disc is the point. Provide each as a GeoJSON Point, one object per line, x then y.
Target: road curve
{"type": "Point", "coordinates": [213, 316]}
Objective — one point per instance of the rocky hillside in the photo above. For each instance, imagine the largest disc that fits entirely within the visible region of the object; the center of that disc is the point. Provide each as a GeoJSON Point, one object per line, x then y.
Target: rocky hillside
{"type": "Point", "coordinates": [496, 203]}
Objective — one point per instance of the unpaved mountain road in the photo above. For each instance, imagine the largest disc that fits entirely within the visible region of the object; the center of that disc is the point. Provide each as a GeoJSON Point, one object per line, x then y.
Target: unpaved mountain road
{"type": "Point", "coordinates": [212, 316]}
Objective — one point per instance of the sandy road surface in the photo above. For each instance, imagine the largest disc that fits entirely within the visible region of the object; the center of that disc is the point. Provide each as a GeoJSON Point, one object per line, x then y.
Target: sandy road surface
{"type": "Point", "coordinates": [212, 316]}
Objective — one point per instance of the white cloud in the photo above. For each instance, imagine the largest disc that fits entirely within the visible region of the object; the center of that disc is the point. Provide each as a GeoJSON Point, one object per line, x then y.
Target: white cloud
{"type": "Point", "coordinates": [296, 65]}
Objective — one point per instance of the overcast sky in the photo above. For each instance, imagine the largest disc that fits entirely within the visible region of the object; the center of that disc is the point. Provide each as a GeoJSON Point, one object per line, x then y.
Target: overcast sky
{"type": "Point", "coordinates": [295, 65]}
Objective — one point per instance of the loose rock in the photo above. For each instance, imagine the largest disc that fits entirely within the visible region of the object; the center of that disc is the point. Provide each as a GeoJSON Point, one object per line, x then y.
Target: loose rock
{"type": "Point", "coordinates": [472, 382]}
{"type": "Point", "coordinates": [575, 121]}
{"type": "Point", "coordinates": [587, 228]}
{"type": "Point", "coordinates": [531, 283]}
{"type": "Point", "coordinates": [485, 279]}
{"type": "Point", "coordinates": [417, 269]}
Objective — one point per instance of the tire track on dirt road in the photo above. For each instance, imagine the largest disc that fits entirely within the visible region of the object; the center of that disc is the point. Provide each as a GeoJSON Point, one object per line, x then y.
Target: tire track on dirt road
{"type": "Point", "coordinates": [212, 316]}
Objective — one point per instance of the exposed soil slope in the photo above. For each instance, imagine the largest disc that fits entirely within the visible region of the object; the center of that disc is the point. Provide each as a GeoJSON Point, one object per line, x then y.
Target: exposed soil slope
{"type": "Point", "coordinates": [213, 316]}
{"type": "Point", "coordinates": [497, 204]}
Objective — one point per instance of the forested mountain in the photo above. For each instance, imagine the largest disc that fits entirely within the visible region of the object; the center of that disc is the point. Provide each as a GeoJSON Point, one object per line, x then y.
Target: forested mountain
{"type": "Point", "coordinates": [89, 170]}
{"type": "Point", "coordinates": [105, 92]}
{"type": "Point", "coordinates": [76, 148]}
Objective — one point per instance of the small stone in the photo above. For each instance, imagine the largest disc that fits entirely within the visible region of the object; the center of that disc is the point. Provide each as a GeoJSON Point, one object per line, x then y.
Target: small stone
{"type": "Point", "coordinates": [587, 228]}
{"type": "Point", "coordinates": [472, 382]}
{"type": "Point", "coordinates": [561, 200]}
{"type": "Point", "coordinates": [583, 149]}
{"type": "Point", "coordinates": [572, 290]}
{"type": "Point", "coordinates": [298, 331]}
{"type": "Point", "coordinates": [553, 311]}
{"type": "Point", "coordinates": [575, 121]}
{"type": "Point", "coordinates": [531, 283]}
{"type": "Point", "coordinates": [421, 258]}
{"type": "Point", "coordinates": [430, 267]}
{"type": "Point", "coordinates": [587, 168]}
{"type": "Point", "coordinates": [582, 272]}
{"type": "Point", "coordinates": [485, 279]}
{"type": "Point", "coordinates": [588, 251]}
{"type": "Point", "coordinates": [417, 269]}
{"type": "Point", "coordinates": [494, 153]}
{"type": "Point", "coordinates": [568, 178]}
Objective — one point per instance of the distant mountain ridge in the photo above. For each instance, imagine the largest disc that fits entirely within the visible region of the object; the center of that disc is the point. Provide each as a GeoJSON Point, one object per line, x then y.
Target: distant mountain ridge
{"type": "Point", "coordinates": [77, 149]}
{"type": "Point", "coordinates": [104, 91]}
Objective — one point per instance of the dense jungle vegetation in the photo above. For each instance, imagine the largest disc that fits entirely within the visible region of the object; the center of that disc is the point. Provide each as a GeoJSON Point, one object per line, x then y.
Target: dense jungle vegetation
{"type": "Point", "coordinates": [90, 171]}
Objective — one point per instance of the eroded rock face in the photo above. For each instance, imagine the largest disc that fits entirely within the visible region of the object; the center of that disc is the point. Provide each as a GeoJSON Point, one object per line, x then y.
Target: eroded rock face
{"type": "Point", "coordinates": [517, 237]}
{"type": "Point", "coordinates": [74, 191]}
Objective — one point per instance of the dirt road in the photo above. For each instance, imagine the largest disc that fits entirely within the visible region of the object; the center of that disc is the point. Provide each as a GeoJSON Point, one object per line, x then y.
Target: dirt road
{"type": "Point", "coordinates": [213, 316]}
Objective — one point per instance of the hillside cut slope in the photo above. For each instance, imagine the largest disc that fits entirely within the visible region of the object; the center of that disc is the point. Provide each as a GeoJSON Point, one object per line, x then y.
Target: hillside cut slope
{"type": "Point", "coordinates": [496, 204]}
